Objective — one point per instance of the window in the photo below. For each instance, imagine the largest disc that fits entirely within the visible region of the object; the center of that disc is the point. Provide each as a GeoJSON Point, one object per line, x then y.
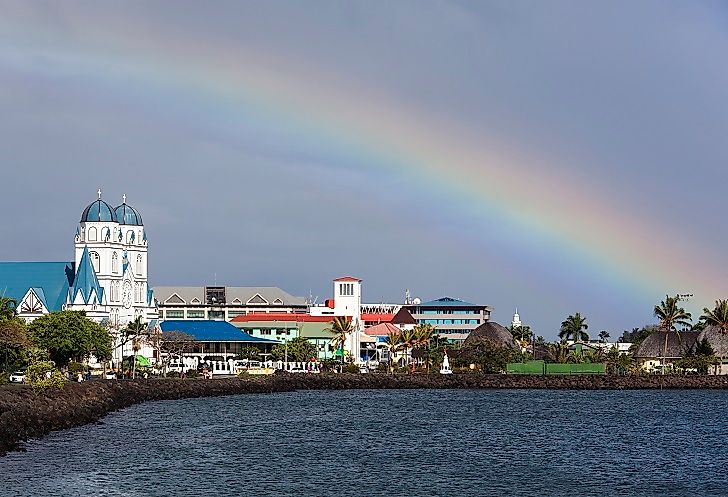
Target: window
{"type": "Point", "coordinates": [95, 261]}
{"type": "Point", "coordinates": [139, 265]}
{"type": "Point", "coordinates": [92, 234]}
{"type": "Point", "coordinates": [346, 289]}
{"type": "Point", "coordinates": [196, 314]}
{"type": "Point", "coordinates": [174, 314]}
{"type": "Point", "coordinates": [115, 263]}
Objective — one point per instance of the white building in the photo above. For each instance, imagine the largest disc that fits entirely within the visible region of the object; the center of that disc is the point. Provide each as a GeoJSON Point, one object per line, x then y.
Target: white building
{"type": "Point", "coordinates": [346, 303]}
{"type": "Point", "coordinates": [107, 278]}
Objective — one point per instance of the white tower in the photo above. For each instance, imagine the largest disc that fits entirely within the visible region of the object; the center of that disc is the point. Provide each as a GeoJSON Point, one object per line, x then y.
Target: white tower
{"type": "Point", "coordinates": [113, 242]}
{"type": "Point", "coordinates": [347, 302]}
{"type": "Point", "coordinates": [516, 323]}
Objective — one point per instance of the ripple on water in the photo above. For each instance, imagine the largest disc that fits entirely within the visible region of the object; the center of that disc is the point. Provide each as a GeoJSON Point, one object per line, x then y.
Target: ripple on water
{"type": "Point", "coordinates": [390, 443]}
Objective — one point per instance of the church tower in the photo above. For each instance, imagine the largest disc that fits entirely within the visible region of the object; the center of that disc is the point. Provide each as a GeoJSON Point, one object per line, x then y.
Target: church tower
{"type": "Point", "coordinates": [111, 265]}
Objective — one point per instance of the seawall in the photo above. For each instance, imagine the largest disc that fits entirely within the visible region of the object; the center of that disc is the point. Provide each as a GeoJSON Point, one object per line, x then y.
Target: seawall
{"type": "Point", "coordinates": [25, 414]}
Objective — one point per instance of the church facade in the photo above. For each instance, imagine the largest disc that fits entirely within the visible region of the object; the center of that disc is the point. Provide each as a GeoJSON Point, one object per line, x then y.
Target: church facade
{"type": "Point", "coordinates": [107, 278]}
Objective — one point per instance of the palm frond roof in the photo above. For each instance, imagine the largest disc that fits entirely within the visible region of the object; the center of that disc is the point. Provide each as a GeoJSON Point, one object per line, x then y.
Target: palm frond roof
{"type": "Point", "coordinates": [493, 332]}
{"type": "Point", "coordinates": [678, 344]}
{"type": "Point", "coordinates": [717, 339]}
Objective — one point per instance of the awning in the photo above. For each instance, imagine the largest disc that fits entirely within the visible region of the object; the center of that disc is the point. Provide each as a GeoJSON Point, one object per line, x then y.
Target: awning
{"type": "Point", "coordinates": [140, 361]}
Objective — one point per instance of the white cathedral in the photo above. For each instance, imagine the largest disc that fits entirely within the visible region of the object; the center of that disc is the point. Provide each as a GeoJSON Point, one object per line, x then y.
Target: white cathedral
{"type": "Point", "coordinates": [107, 279]}
{"type": "Point", "coordinates": [111, 265]}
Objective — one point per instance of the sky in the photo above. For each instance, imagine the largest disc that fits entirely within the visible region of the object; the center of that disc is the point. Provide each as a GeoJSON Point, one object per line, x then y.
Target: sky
{"type": "Point", "coordinates": [557, 157]}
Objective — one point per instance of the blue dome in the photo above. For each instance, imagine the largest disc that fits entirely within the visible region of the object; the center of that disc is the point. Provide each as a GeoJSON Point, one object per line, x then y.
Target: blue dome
{"type": "Point", "coordinates": [126, 214]}
{"type": "Point", "coordinates": [98, 211]}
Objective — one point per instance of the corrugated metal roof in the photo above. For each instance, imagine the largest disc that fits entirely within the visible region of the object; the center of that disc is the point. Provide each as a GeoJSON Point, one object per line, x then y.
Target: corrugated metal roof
{"type": "Point", "coordinates": [283, 317]}
{"type": "Point", "coordinates": [212, 331]}
{"type": "Point", "coordinates": [447, 302]}
{"type": "Point", "coordinates": [242, 293]}
{"type": "Point", "coordinates": [54, 278]}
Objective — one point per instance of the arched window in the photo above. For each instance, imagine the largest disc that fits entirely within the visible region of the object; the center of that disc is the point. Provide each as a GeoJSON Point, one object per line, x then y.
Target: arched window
{"type": "Point", "coordinates": [92, 234]}
{"type": "Point", "coordinates": [115, 262]}
{"type": "Point", "coordinates": [139, 265]}
{"type": "Point", "coordinates": [95, 260]}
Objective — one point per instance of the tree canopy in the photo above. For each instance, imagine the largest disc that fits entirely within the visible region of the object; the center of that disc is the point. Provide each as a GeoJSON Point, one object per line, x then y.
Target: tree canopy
{"type": "Point", "coordinates": [574, 327]}
{"type": "Point", "coordinates": [299, 350]}
{"type": "Point", "coordinates": [70, 335]}
{"type": "Point", "coordinates": [671, 314]}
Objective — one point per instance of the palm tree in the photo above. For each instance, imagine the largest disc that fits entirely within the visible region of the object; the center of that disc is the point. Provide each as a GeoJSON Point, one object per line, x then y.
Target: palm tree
{"type": "Point", "coordinates": [423, 336]}
{"type": "Point", "coordinates": [558, 352]}
{"type": "Point", "coordinates": [8, 308]}
{"type": "Point", "coordinates": [718, 316]}
{"type": "Point", "coordinates": [670, 315]}
{"type": "Point", "coordinates": [340, 328]}
{"type": "Point", "coordinates": [604, 336]}
{"type": "Point", "coordinates": [393, 340]}
{"type": "Point", "coordinates": [574, 327]}
{"type": "Point", "coordinates": [407, 340]}
{"type": "Point", "coordinates": [137, 329]}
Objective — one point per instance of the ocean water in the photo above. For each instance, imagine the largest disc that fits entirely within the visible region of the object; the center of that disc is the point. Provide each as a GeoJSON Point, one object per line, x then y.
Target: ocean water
{"type": "Point", "coordinates": [391, 443]}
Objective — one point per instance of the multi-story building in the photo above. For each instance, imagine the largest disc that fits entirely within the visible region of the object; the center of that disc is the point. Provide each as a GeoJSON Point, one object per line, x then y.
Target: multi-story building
{"type": "Point", "coordinates": [452, 318]}
{"type": "Point", "coordinates": [224, 303]}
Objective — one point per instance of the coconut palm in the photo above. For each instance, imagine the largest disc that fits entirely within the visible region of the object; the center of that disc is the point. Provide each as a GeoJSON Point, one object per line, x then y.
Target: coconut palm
{"type": "Point", "coordinates": [574, 327]}
{"type": "Point", "coordinates": [8, 308]}
{"type": "Point", "coordinates": [407, 340]}
{"type": "Point", "coordinates": [340, 327]}
{"type": "Point", "coordinates": [670, 315]}
{"type": "Point", "coordinates": [393, 340]}
{"type": "Point", "coordinates": [558, 352]}
{"type": "Point", "coordinates": [423, 336]}
{"type": "Point", "coordinates": [718, 316]}
{"type": "Point", "coordinates": [136, 330]}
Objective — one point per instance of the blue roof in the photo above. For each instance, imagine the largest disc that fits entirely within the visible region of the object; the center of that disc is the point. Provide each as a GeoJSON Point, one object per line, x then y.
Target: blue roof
{"type": "Point", "coordinates": [447, 302]}
{"type": "Point", "coordinates": [86, 280]}
{"type": "Point", "coordinates": [126, 214]}
{"type": "Point", "coordinates": [98, 210]}
{"type": "Point", "coordinates": [211, 331]}
{"type": "Point", "coordinates": [50, 280]}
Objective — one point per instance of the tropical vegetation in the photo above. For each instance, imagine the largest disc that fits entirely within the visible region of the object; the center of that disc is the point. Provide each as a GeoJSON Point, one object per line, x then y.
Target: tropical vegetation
{"type": "Point", "coordinates": [574, 328]}
{"type": "Point", "coordinates": [340, 328]}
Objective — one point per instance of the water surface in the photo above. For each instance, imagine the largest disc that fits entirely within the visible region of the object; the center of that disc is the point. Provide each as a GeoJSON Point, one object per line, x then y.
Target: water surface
{"type": "Point", "coordinates": [391, 443]}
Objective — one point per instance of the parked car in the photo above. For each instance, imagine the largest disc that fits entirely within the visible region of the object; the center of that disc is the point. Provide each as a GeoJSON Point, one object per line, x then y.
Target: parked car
{"type": "Point", "coordinates": [17, 377]}
{"type": "Point", "coordinates": [110, 375]}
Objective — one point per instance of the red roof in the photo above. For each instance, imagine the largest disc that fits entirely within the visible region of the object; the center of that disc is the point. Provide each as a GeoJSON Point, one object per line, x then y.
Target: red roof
{"type": "Point", "coordinates": [347, 278]}
{"type": "Point", "coordinates": [380, 317]}
{"type": "Point", "coordinates": [281, 316]}
{"type": "Point", "coordinates": [383, 329]}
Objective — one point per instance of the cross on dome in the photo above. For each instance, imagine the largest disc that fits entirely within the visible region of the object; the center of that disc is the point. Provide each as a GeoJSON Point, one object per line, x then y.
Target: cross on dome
{"type": "Point", "coordinates": [123, 198]}
{"type": "Point", "coordinates": [99, 193]}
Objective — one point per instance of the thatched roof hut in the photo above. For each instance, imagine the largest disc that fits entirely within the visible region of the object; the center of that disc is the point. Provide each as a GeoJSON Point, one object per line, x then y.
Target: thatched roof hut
{"type": "Point", "coordinates": [717, 338]}
{"type": "Point", "coordinates": [492, 332]}
{"type": "Point", "coordinates": [678, 344]}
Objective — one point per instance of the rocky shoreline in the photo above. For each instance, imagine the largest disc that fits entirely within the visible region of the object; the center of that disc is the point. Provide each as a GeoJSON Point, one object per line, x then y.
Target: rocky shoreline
{"type": "Point", "coordinates": [25, 414]}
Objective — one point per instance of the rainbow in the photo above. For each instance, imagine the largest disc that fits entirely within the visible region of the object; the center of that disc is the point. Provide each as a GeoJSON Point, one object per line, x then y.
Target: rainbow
{"type": "Point", "coordinates": [568, 220]}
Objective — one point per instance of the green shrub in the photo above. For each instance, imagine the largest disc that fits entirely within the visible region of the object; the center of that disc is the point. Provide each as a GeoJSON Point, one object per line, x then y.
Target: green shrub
{"type": "Point", "coordinates": [172, 374]}
{"type": "Point", "coordinates": [192, 373]}
{"type": "Point", "coordinates": [351, 368]}
{"type": "Point", "coordinates": [76, 367]}
{"type": "Point", "coordinates": [4, 378]}
{"type": "Point", "coordinates": [42, 376]}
